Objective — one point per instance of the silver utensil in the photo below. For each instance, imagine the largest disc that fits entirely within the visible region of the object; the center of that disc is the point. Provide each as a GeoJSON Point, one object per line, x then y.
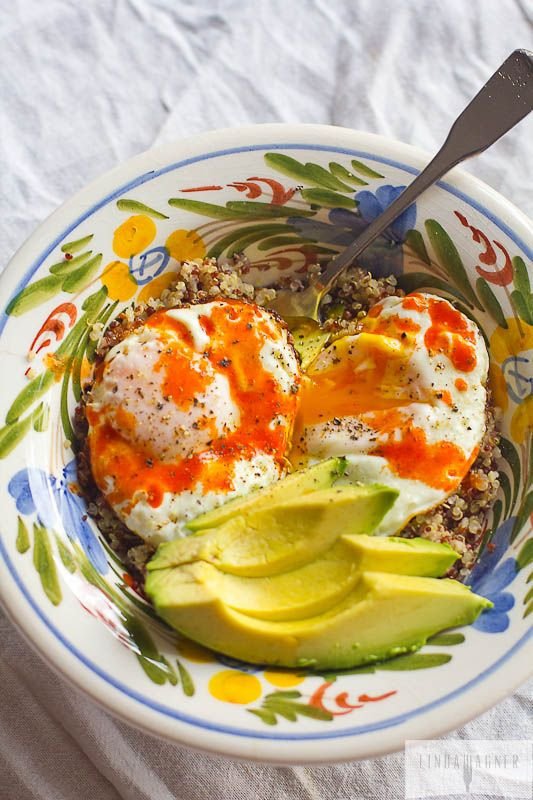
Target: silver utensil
{"type": "Point", "coordinates": [504, 100]}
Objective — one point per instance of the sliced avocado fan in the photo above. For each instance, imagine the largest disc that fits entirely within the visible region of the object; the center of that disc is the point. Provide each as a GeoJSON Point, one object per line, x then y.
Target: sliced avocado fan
{"type": "Point", "coordinates": [295, 578]}
{"type": "Point", "coordinates": [281, 537]}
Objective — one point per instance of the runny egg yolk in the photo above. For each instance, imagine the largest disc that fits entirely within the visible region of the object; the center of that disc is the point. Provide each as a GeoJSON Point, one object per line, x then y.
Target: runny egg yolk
{"type": "Point", "coordinates": [177, 404]}
{"type": "Point", "coordinates": [403, 380]}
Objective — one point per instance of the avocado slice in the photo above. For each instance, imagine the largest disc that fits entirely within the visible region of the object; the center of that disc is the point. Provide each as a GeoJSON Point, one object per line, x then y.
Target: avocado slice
{"type": "Point", "coordinates": [319, 476]}
{"type": "Point", "coordinates": [302, 593]}
{"type": "Point", "coordinates": [415, 556]}
{"type": "Point", "coordinates": [383, 616]}
{"type": "Point", "coordinates": [315, 587]}
{"type": "Point", "coordinates": [282, 537]}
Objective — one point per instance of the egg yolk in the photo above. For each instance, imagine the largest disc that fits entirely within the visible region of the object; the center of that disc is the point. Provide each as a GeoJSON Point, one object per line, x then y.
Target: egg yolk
{"type": "Point", "coordinates": [368, 377]}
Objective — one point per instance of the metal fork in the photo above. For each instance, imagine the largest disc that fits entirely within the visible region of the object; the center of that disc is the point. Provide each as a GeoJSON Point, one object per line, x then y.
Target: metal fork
{"type": "Point", "coordinates": [503, 101]}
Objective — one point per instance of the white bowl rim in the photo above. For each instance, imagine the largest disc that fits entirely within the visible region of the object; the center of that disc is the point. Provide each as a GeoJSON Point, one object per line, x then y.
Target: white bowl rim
{"type": "Point", "coordinates": [482, 694]}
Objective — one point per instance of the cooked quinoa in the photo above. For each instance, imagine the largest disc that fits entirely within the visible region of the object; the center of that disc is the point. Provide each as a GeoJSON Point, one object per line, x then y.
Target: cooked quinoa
{"type": "Point", "coordinates": [461, 520]}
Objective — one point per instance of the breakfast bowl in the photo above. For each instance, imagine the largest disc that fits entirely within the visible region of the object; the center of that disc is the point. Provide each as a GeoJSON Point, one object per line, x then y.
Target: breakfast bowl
{"type": "Point", "coordinates": [280, 199]}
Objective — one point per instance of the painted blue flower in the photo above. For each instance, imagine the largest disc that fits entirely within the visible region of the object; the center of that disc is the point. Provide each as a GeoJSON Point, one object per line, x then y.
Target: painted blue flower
{"type": "Point", "coordinates": [148, 265]}
{"type": "Point", "coordinates": [518, 374]}
{"type": "Point", "coordinates": [490, 577]}
{"type": "Point", "coordinates": [383, 257]}
{"type": "Point", "coordinates": [57, 507]}
{"type": "Point", "coordinates": [371, 205]}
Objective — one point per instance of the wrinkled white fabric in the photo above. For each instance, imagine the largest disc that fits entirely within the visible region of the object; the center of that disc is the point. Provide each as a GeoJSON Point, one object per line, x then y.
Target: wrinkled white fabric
{"type": "Point", "coordinates": [84, 86]}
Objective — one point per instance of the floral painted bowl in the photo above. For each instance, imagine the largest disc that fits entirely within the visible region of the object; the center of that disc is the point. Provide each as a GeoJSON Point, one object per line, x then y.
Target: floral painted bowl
{"type": "Point", "coordinates": [286, 196]}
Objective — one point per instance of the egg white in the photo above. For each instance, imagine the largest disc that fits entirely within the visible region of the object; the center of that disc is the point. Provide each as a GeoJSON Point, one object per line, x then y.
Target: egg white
{"type": "Point", "coordinates": [462, 423]}
{"type": "Point", "coordinates": [129, 382]}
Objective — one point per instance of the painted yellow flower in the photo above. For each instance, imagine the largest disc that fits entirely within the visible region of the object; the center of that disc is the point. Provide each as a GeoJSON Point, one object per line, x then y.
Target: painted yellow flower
{"type": "Point", "coordinates": [498, 386]}
{"type": "Point", "coordinates": [234, 686]}
{"type": "Point", "coordinates": [283, 680]}
{"type": "Point", "coordinates": [511, 341]}
{"type": "Point", "coordinates": [134, 236]}
{"type": "Point", "coordinates": [185, 245]}
{"type": "Point", "coordinates": [156, 286]}
{"type": "Point", "coordinates": [118, 280]}
{"type": "Point", "coordinates": [522, 420]}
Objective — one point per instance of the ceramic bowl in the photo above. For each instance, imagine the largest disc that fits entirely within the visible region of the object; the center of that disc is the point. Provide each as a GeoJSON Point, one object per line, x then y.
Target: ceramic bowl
{"type": "Point", "coordinates": [286, 196]}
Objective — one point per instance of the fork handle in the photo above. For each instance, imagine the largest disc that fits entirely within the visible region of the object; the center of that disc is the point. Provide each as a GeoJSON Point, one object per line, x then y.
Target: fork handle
{"type": "Point", "coordinates": [504, 100]}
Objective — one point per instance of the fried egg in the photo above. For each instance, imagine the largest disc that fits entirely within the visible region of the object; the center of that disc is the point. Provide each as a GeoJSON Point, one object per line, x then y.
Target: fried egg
{"type": "Point", "coordinates": [404, 400]}
{"type": "Point", "coordinates": [190, 409]}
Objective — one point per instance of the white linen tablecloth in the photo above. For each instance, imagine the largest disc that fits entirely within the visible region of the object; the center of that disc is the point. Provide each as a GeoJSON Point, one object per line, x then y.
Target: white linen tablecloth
{"type": "Point", "coordinates": [84, 86]}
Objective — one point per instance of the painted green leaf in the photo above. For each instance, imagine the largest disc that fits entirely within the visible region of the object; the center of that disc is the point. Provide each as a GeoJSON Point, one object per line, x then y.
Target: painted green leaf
{"type": "Point", "coordinates": [94, 302]}
{"type": "Point", "coordinates": [22, 542]}
{"type": "Point", "coordinates": [240, 245]}
{"type": "Point", "coordinates": [491, 530]}
{"type": "Point", "coordinates": [171, 674]}
{"type": "Point", "coordinates": [510, 454]}
{"type": "Point", "coordinates": [414, 281]}
{"type": "Point", "coordinates": [416, 661]}
{"type": "Point", "coordinates": [104, 318]}
{"type": "Point", "coordinates": [364, 669]}
{"type": "Point", "coordinates": [363, 169]}
{"type": "Point", "coordinates": [77, 245]}
{"type": "Point", "coordinates": [187, 683]}
{"type": "Point", "coordinates": [35, 389]}
{"type": "Point", "coordinates": [448, 256]}
{"type": "Point", "coordinates": [287, 166]}
{"type": "Point", "coordinates": [415, 241]}
{"type": "Point", "coordinates": [505, 484]}
{"type": "Point", "coordinates": [80, 278]}
{"type": "Point", "coordinates": [523, 305]}
{"type": "Point", "coordinates": [63, 406]}
{"type": "Point", "coordinates": [148, 656]}
{"type": "Point", "coordinates": [284, 694]}
{"type": "Point", "coordinates": [139, 208]}
{"type": "Point", "coordinates": [285, 710]}
{"type": "Point", "coordinates": [41, 417]}
{"type": "Point", "coordinates": [529, 596]}
{"type": "Point", "coordinates": [528, 611]}
{"type": "Point", "coordinates": [327, 198]}
{"type": "Point", "coordinates": [268, 717]}
{"type": "Point", "coordinates": [66, 267]}
{"type": "Point", "coordinates": [265, 210]}
{"type": "Point", "coordinates": [345, 175]}
{"type": "Point", "coordinates": [490, 301]}
{"type": "Point", "coordinates": [320, 176]}
{"type": "Point", "coordinates": [12, 434]}
{"type": "Point", "coordinates": [524, 511]}
{"type": "Point", "coordinates": [29, 395]}
{"type": "Point", "coordinates": [75, 372]}
{"type": "Point", "coordinates": [43, 561]}
{"type": "Point", "coordinates": [307, 173]}
{"type": "Point", "coordinates": [287, 241]}
{"type": "Point", "coordinates": [287, 705]}
{"type": "Point", "coordinates": [205, 209]}
{"type": "Point", "coordinates": [262, 230]}
{"type": "Point", "coordinates": [34, 294]}
{"type": "Point", "coordinates": [520, 276]}
{"type": "Point", "coordinates": [445, 639]}
{"type": "Point", "coordinates": [67, 558]}
{"type": "Point", "coordinates": [525, 556]}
